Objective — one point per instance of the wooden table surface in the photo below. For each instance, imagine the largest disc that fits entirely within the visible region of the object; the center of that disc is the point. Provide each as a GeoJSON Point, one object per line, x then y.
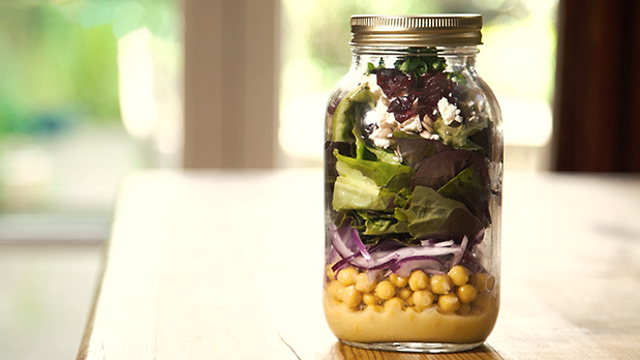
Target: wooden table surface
{"type": "Point", "coordinates": [229, 265]}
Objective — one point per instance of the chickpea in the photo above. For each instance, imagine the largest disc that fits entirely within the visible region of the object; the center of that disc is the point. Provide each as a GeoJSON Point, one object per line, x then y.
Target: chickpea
{"type": "Point", "coordinates": [491, 282]}
{"type": "Point", "coordinates": [376, 308]}
{"type": "Point", "coordinates": [422, 299]}
{"type": "Point", "coordinates": [351, 297]}
{"type": "Point", "coordinates": [330, 273]}
{"type": "Point", "coordinates": [440, 284]}
{"type": "Point", "coordinates": [334, 289]}
{"type": "Point", "coordinates": [409, 301]}
{"type": "Point", "coordinates": [371, 299]}
{"type": "Point", "coordinates": [394, 304]}
{"type": "Point", "coordinates": [385, 290]}
{"type": "Point", "coordinates": [404, 293]}
{"type": "Point", "coordinates": [479, 281]}
{"type": "Point", "coordinates": [347, 276]}
{"type": "Point", "coordinates": [398, 281]}
{"type": "Point", "coordinates": [459, 275]}
{"type": "Point", "coordinates": [418, 280]}
{"type": "Point", "coordinates": [363, 284]}
{"type": "Point", "coordinates": [449, 303]}
{"type": "Point", "coordinates": [466, 293]}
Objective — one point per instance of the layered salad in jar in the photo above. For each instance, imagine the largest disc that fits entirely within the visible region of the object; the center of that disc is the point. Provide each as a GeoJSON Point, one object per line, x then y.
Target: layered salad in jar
{"type": "Point", "coordinates": [410, 192]}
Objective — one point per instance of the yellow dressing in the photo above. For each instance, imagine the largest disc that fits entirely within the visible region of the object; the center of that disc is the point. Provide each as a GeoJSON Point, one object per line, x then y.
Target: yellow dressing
{"type": "Point", "coordinates": [394, 324]}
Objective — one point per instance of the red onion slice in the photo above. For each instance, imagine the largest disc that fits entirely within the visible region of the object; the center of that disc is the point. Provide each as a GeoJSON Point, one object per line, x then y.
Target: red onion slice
{"type": "Point", "coordinates": [363, 250]}
{"type": "Point", "coordinates": [339, 240]}
{"type": "Point", "coordinates": [463, 248]}
{"type": "Point", "coordinates": [428, 264]}
{"type": "Point", "coordinates": [379, 259]}
{"type": "Point", "coordinates": [432, 256]}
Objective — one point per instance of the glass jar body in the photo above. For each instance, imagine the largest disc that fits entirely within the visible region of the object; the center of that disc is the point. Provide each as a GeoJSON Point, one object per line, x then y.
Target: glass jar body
{"type": "Point", "coordinates": [413, 174]}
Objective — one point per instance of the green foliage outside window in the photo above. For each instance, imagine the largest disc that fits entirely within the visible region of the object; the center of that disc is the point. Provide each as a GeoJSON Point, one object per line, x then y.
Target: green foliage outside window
{"type": "Point", "coordinates": [58, 59]}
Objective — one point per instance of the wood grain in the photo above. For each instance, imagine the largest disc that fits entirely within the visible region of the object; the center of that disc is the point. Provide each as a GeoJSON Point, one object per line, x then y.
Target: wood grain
{"type": "Point", "coordinates": [340, 351]}
{"type": "Point", "coordinates": [228, 265]}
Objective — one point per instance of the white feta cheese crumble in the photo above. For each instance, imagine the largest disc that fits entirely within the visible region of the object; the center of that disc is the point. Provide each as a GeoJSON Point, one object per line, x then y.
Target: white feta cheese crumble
{"type": "Point", "coordinates": [449, 112]}
{"type": "Point", "coordinates": [381, 137]}
{"type": "Point", "coordinates": [380, 117]}
{"type": "Point", "coordinates": [384, 124]}
{"type": "Point", "coordinates": [371, 118]}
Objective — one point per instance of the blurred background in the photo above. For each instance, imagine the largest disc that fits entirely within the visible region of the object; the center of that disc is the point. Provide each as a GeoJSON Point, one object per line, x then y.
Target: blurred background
{"type": "Point", "coordinates": [91, 90]}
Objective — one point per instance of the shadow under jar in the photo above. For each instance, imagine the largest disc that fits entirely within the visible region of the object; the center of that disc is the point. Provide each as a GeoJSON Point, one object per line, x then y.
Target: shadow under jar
{"type": "Point", "coordinates": [413, 176]}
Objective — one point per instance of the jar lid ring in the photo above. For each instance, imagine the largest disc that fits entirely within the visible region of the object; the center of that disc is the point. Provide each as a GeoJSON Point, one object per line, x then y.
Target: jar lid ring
{"type": "Point", "coordinates": [417, 30]}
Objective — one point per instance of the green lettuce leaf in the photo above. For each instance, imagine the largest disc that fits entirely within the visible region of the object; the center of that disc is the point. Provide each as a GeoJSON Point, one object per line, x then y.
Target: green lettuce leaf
{"type": "Point", "coordinates": [347, 125]}
{"type": "Point", "coordinates": [468, 187]}
{"type": "Point", "coordinates": [353, 190]}
{"type": "Point", "coordinates": [344, 118]}
{"type": "Point", "coordinates": [367, 184]}
{"type": "Point", "coordinates": [394, 176]}
{"type": "Point", "coordinates": [382, 223]}
{"type": "Point", "coordinates": [436, 170]}
{"type": "Point", "coordinates": [430, 215]}
{"type": "Point", "coordinates": [413, 148]}
{"type": "Point", "coordinates": [458, 136]}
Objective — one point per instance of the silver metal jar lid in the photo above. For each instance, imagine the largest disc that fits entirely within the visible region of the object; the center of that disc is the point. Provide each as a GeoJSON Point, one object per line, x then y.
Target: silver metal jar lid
{"type": "Point", "coordinates": [416, 30]}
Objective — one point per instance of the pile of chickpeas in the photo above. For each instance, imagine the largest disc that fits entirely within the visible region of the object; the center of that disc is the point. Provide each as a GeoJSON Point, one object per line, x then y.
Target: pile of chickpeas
{"type": "Point", "coordinates": [458, 291]}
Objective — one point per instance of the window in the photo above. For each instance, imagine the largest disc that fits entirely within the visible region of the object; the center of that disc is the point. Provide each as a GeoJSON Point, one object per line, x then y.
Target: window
{"type": "Point", "coordinates": [89, 90]}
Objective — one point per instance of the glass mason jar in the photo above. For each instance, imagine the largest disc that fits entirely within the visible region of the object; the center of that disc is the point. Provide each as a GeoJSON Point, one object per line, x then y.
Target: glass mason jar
{"type": "Point", "coordinates": [413, 167]}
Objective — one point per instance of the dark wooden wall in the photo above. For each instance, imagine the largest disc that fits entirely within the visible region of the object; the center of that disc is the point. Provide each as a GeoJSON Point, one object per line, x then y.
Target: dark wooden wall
{"type": "Point", "coordinates": [597, 98]}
